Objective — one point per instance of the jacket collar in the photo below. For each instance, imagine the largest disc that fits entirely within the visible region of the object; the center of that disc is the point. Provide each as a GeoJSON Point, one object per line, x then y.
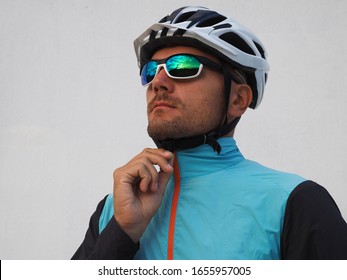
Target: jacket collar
{"type": "Point", "coordinates": [203, 160]}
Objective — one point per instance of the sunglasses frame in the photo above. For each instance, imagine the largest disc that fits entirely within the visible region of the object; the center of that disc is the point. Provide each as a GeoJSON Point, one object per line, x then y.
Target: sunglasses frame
{"type": "Point", "coordinates": [161, 63]}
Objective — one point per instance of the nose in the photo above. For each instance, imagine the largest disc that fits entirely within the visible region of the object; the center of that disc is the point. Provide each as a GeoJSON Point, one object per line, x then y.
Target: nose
{"type": "Point", "coordinates": [162, 82]}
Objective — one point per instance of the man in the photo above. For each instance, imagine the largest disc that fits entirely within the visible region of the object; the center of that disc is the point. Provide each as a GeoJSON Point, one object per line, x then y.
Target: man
{"type": "Point", "coordinates": [202, 71]}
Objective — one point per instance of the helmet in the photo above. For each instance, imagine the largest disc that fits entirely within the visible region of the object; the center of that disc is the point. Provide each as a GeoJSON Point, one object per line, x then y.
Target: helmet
{"type": "Point", "coordinates": [208, 30]}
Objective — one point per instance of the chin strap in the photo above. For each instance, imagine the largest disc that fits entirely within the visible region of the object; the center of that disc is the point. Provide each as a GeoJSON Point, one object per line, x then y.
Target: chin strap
{"type": "Point", "coordinates": [173, 145]}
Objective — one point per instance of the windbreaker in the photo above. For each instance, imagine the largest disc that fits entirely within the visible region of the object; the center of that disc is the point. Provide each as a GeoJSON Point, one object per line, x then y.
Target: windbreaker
{"type": "Point", "coordinates": [225, 207]}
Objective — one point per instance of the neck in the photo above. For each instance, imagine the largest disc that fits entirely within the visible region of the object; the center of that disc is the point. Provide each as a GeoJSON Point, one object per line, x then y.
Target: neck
{"type": "Point", "coordinates": [173, 145]}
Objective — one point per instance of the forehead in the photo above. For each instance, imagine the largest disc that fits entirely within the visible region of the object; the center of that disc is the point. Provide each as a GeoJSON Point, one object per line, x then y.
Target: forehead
{"type": "Point", "coordinates": [168, 51]}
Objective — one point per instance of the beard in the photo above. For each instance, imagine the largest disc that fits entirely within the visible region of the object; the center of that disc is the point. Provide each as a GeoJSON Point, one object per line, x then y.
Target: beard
{"type": "Point", "coordinates": [161, 129]}
{"type": "Point", "coordinates": [198, 122]}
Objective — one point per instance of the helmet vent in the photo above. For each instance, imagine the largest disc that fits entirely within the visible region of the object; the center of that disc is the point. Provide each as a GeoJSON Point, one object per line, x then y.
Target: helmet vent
{"type": "Point", "coordinates": [184, 17]}
{"type": "Point", "coordinates": [236, 41]}
{"type": "Point", "coordinates": [172, 18]}
{"type": "Point", "coordinates": [153, 35]}
{"type": "Point", "coordinates": [225, 25]}
{"type": "Point", "coordinates": [164, 19]}
{"type": "Point", "coordinates": [260, 49]}
{"type": "Point", "coordinates": [164, 32]}
{"type": "Point", "coordinates": [211, 22]}
{"type": "Point", "coordinates": [205, 18]}
{"type": "Point", "coordinates": [178, 33]}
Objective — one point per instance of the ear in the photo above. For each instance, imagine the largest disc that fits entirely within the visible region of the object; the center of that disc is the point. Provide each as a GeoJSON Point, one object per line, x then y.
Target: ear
{"type": "Point", "coordinates": [240, 98]}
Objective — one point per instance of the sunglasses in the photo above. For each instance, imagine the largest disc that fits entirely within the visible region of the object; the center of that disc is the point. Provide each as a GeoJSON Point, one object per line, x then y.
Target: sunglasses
{"type": "Point", "coordinates": [178, 66]}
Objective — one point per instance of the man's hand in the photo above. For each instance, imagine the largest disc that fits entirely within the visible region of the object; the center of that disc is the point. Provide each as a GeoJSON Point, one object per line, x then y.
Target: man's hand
{"type": "Point", "coordinates": [139, 188]}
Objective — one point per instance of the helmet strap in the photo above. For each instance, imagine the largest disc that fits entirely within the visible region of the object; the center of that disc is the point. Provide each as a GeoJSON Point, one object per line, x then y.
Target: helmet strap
{"type": "Point", "coordinates": [173, 145]}
{"type": "Point", "coordinates": [227, 87]}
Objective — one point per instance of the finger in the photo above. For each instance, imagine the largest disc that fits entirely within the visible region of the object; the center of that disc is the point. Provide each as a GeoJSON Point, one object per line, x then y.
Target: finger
{"type": "Point", "coordinates": [164, 177]}
{"type": "Point", "coordinates": [148, 177]}
{"type": "Point", "coordinates": [160, 157]}
{"type": "Point", "coordinates": [143, 177]}
{"type": "Point", "coordinates": [135, 175]}
{"type": "Point", "coordinates": [165, 153]}
{"type": "Point", "coordinates": [140, 171]}
{"type": "Point", "coordinates": [165, 163]}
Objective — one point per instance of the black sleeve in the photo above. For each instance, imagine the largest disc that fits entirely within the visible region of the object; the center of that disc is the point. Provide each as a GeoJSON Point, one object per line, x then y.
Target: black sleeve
{"type": "Point", "coordinates": [313, 226]}
{"type": "Point", "coordinates": [112, 243]}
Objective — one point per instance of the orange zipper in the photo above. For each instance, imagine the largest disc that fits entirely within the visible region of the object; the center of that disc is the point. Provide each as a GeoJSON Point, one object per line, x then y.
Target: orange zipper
{"type": "Point", "coordinates": [173, 212]}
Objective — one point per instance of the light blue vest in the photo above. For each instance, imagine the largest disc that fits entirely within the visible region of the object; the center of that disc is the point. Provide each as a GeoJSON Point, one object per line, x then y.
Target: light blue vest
{"type": "Point", "coordinates": [228, 208]}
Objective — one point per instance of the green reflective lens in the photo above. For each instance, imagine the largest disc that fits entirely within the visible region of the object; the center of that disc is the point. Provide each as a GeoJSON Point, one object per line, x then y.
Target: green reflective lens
{"type": "Point", "coordinates": [181, 66]}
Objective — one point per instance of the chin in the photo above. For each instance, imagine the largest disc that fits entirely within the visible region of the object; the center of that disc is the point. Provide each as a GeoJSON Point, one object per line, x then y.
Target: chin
{"type": "Point", "coordinates": [172, 130]}
{"type": "Point", "coordinates": [162, 133]}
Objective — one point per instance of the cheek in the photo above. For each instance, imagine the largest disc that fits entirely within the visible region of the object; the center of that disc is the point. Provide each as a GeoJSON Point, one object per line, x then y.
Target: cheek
{"type": "Point", "coordinates": [214, 107]}
{"type": "Point", "coordinates": [208, 104]}
{"type": "Point", "coordinates": [215, 104]}
{"type": "Point", "coordinates": [212, 93]}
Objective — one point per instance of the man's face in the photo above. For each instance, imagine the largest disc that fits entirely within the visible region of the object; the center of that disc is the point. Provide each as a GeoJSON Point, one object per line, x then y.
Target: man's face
{"type": "Point", "coordinates": [184, 108]}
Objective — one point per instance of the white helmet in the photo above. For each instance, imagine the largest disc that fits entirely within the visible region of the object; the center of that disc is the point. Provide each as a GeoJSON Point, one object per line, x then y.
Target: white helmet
{"type": "Point", "coordinates": [210, 31]}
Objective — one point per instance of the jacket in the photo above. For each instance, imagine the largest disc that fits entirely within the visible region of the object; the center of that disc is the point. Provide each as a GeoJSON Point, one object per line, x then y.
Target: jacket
{"type": "Point", "coordinates": [225, 207]}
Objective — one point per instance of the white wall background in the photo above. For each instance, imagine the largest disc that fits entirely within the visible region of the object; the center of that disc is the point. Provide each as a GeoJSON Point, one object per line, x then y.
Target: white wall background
{"type": "Point", "coordinates": [72, 108]}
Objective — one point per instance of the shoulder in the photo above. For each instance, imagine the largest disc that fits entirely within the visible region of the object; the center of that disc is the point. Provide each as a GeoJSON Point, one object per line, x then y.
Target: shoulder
{"type": "Point", "coordinates": [311, 203]}
{"type": "Point", "coordinates": [270, 177]}
{"type": "Point", "coordinates": [313, 225]}
{"type": "Point", "coordinates": [311, 197]}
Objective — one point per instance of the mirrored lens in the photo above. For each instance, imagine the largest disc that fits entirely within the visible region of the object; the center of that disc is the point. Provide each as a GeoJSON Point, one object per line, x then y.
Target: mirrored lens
{"type": "Point", "coordinates": [182, 66]}
{"type": "Point", "coordinates": [148, 72]}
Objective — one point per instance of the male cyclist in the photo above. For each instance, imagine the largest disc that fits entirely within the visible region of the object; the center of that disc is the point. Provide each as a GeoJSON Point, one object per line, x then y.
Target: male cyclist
{"type": "Point", "coordinates": [202, 71]}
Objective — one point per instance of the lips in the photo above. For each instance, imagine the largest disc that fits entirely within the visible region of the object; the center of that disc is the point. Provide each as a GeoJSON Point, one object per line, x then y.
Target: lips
{"type": "Point", "coordinates": [164, 101]}
{"type": "Point", "coordinates": [162, 104]}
